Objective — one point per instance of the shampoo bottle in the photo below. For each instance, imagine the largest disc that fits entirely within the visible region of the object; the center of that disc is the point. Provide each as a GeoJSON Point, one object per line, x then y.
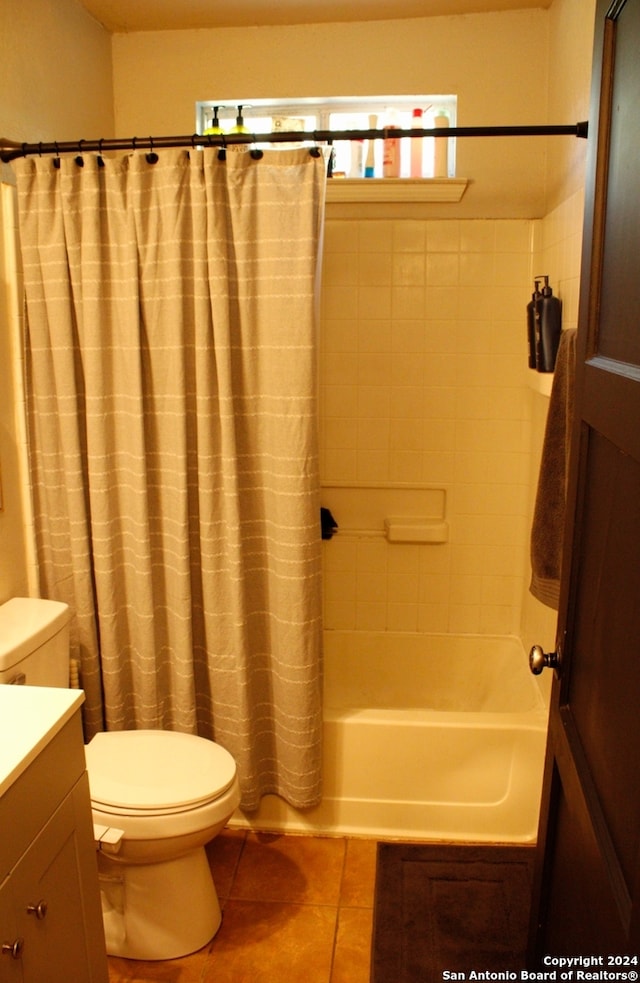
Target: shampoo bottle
{"type": "Point", "coordinates": [549, 326]}
{"type": "Point", "coordinates": [239, 124]}
{"type": "Point", "coordinates": [214, 126]}
{"type": "Point", "coordinates": [531, 324]}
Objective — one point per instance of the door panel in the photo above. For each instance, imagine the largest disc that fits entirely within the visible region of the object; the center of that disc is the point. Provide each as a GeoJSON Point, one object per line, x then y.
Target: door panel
{"type": "Point", "coordinates": [588, 871]}
{"type": "Point", "coordinates": [605, 685]}
{"type": "Point", "coordinates": [622, 228]}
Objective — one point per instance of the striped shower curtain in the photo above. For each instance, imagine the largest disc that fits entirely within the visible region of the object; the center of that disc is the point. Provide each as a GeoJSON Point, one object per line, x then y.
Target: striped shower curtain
{"type": "Point", "coordinates": [171, 367]}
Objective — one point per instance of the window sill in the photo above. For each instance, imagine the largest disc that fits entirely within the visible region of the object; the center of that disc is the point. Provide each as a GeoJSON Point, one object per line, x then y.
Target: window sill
{"type": "Point", "coordinates": [396, 189]}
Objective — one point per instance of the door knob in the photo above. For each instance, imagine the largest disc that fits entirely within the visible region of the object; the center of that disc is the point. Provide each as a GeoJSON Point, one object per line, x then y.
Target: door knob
{"type": "Point", "coordinates": [539, 660]}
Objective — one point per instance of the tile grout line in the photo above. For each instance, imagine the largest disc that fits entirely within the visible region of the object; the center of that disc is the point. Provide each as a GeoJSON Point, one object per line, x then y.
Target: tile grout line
{"type": "Point", "coordinates": [338, 906]}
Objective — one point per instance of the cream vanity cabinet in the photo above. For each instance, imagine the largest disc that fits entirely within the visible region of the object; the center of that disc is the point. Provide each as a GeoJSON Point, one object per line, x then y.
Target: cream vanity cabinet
{"type": "Point", "coordinates": [50, 918]}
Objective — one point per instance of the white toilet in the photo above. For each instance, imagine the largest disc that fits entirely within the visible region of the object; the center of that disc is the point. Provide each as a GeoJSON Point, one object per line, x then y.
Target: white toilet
{"type": "Point", "coordinates": [157, 798]}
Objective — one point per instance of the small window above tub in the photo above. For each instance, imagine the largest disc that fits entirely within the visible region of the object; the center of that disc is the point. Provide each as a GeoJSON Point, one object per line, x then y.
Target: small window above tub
{"type": "Point", "coordinates": [263, 116]}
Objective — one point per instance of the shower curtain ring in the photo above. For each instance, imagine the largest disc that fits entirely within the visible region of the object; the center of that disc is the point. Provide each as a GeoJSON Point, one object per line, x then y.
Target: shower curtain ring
{"type": "Point", "coordinates": [56, 159]}
{"type": "Point", "coordinates": [80, 158]}
{"type": "Point", "coordinates": [152, 157]}
{"type": "Point", "coordinates": [222, 153]}
{"type": "Point", "coordinates": [256, 153]}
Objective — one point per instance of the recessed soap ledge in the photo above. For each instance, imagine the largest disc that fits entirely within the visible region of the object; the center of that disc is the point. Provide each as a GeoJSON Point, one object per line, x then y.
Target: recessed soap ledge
{"type": "Point", "coordinates": [415, 529]}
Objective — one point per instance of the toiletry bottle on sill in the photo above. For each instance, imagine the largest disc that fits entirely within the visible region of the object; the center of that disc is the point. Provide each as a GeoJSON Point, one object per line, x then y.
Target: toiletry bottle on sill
{"type": "Point", "coordinates": [357, 159]}
{"type": "Point", "coordinates": [370, 162]}
{"type": "Point", "coordinates": [391, 158]}
{"type": "Point", "coordinates": [416, 144]}
{"type": "Point", "coordinates": [441, 149]}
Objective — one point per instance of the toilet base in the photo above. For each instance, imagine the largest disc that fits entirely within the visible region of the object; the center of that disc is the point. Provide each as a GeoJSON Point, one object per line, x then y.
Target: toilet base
{"type": "Point", "coordinates": [158, 911]}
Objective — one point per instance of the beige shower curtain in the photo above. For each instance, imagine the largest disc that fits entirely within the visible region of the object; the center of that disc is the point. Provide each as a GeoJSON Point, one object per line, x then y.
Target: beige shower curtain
{"type": "Point", "coordinates": [171, 401]}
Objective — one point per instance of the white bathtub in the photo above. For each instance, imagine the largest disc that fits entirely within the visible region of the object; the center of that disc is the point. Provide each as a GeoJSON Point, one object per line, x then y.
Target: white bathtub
{"type": "Point", "coordinates": [425, 737]}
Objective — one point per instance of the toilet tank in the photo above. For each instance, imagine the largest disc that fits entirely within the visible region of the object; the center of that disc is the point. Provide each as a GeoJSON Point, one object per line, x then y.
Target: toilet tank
{"type": "Point", "coordinates": [34, 642]}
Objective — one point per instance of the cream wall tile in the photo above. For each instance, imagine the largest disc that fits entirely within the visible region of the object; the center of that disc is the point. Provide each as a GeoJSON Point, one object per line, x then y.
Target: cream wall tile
{"type": "Point", "coordinates": [443, 236]}
{"type": "Point", "coordinates": [433, 618]}
{"type": "Point", "coordinates": [407, 302]}
{"type": "Point", "coordinates": [340, 401]}
{"type": "Point", "coordinates": [475, 302]}
{"type": "Point", "coordinates": [511, 268]}
{"type": "Point", "coordinates": [372, 466]}
{"type": "Point", "coordinates": [424, 372]}
{"type": "Point", "coordinates": [402, 616]}
{"type": "Point", "coordinates": [438, 467]}
{"type": "Point", "coordinates": [373, 402]}
{"type": "Point", "coordinates": [341, 237]}
{"type": "Point", "coordinates": [340, 300]}
{"type": "Point", "coordinates": [408, 269]}
{"type": "Point", "coordinates": [372, 301]}
{"type": "Point", "coordinates": [340, 432]}
{"type": "Point", "coordinates": [339, 369]}
{"type": "Point", "coordinates": [339, 465]}
{"type": "Point", "coordinates": [478, 236]}
{"type": "Point", "coordinates": [375, 269]}
{"type": "Point", "coordinates": [477, 269]}
{"type": "Point", "coordinates": [375, 236]}
{"type": "Point", "coordinates": [405, 466]}
{"type": "Point", "coordinates": [374, 335]}
{"type": "Point", "coordinates": [340, 268]}
{"type": "Point", "coordinates": [441, 303]}
{"type": "Point", "coordinates": [371, 369]}
{"type": "Point", "coordinates": [409, 236]}
{"type": "Point", "coordinates": [339, 335]}
{"type": "Point", "coordinates": [443, 269]}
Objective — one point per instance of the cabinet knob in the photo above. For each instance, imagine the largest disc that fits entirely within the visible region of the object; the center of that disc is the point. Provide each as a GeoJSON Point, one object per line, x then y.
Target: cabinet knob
{"type": "Point", "coordinates": [39, 909]}
{"type": "Point", "coordinates": [13, 949]}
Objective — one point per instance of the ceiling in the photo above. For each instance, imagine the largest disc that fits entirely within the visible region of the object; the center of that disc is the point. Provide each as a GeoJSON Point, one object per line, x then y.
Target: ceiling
{"type": "Point", "coordinates": [163, 15]}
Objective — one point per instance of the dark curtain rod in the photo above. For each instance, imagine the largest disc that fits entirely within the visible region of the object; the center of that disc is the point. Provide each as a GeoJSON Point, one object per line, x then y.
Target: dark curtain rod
{"type": "Point", "coordinates": [10, 150]}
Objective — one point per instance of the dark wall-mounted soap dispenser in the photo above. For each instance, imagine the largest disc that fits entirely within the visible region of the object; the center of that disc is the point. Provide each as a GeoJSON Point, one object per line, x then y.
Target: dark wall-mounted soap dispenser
{"type": "Point", "coordinates": [544, 324]}
{"type": "Point", "coordinates": [531, 324]}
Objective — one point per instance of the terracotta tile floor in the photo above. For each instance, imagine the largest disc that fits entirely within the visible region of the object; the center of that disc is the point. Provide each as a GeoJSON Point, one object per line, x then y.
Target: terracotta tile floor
{"type": "Point", "coordinates": [296, 909]}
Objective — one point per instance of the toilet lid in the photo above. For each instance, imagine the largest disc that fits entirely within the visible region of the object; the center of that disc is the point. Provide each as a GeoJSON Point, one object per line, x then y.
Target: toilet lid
{"type": "Point", "coordinates": [156, 770]}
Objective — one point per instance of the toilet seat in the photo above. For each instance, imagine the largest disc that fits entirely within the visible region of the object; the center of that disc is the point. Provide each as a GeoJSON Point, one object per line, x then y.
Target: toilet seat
{"type": "Point", "coordinates": [155, 772]}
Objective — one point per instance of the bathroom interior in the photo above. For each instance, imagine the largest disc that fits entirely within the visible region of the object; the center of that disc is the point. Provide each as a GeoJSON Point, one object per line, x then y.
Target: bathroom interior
{"type": "Point", "coordinates": [427, 403]}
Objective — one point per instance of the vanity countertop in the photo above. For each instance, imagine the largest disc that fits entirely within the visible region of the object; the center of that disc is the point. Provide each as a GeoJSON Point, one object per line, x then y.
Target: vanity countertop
{"type": "Point", "coordinates": [30, 716]}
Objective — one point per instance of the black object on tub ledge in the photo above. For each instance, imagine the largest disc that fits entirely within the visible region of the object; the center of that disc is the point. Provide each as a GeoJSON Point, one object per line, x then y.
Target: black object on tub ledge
{"type": "Point", "coordinates": [328, 524]}
{"type": "Point", "coordinates": [544, 324]}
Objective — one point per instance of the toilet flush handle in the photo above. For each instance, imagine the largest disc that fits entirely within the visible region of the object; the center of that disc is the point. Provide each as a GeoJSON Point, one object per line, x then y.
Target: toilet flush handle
{"type": "Point", "coordinates": [107, 838]}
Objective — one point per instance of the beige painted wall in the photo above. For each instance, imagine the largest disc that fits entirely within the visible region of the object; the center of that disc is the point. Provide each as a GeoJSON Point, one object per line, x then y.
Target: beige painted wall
{"type": "Point", "coordinates": [56, 84]}
{"type": "Point", "coordinates": [55, 72]}
{"type": "Point", "coordinates": [487, 59]}
{"type": "Point", "coordinates": [571, 28]}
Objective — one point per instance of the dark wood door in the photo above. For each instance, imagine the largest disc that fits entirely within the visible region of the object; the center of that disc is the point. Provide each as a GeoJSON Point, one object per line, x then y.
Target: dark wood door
{"type": "Point", "coordinates": [587, 897]}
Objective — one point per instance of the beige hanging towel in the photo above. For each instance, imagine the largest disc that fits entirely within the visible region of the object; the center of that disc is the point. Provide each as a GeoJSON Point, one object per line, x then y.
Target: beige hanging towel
{"type": "Point", "coordinates": [549, 512]}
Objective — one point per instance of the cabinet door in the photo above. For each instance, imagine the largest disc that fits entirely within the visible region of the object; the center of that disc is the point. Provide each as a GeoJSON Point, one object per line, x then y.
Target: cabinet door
{"type": "Point", "coordinates": [10, 967]}
{"type": "Point", "coordinates": [47, 889]}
